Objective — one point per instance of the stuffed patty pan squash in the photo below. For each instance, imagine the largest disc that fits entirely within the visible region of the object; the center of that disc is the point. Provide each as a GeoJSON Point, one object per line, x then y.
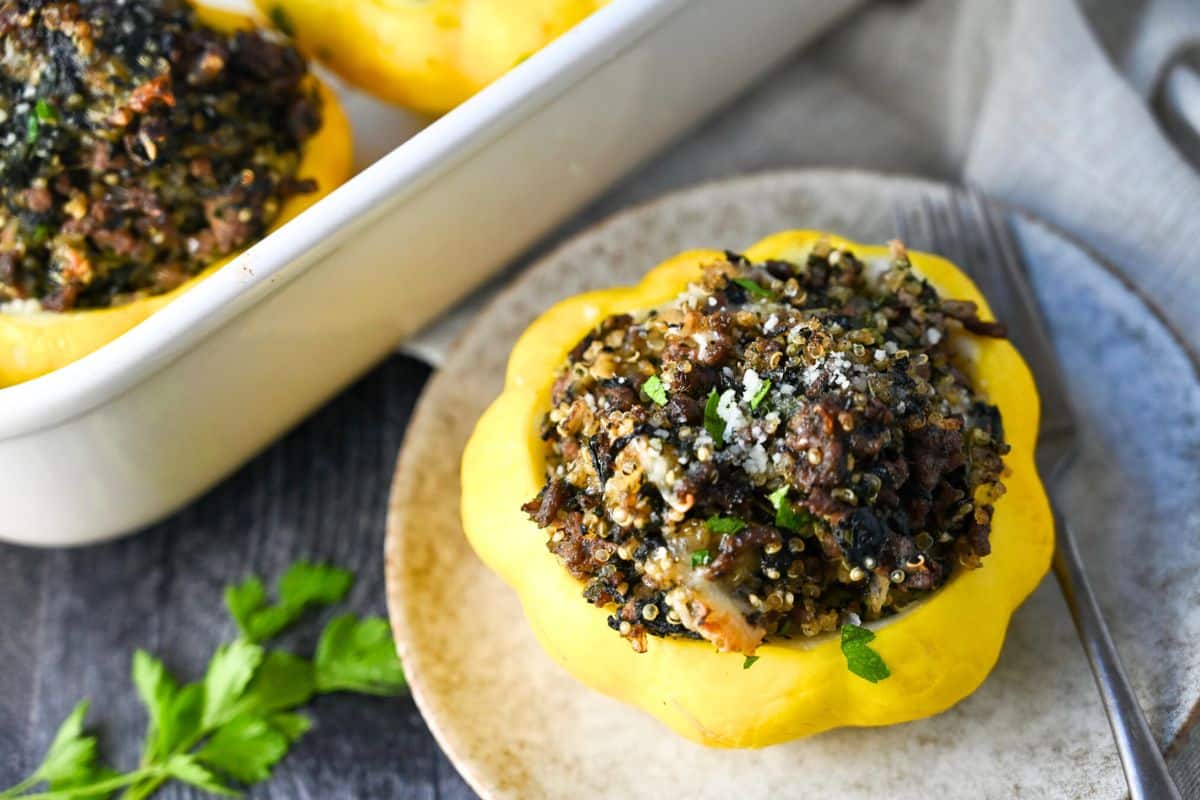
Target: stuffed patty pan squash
{"type": "Point", "coordinates": [200, 134]}
{"type": "Point", "coordinates": [763, 495]}
{"type": "Point", "coordinates": [428, 55]}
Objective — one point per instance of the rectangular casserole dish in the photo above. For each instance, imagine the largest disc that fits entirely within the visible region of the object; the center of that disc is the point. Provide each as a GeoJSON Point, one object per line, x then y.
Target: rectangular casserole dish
{"type": "Point", "coordinates": [133, 431]}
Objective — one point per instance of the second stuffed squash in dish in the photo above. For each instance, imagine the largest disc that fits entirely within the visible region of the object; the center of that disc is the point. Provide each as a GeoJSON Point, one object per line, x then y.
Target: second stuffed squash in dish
{"type": "Point", "coordinates": [156, 142]}
{"type": "Point", "coordinates": [429, 56]}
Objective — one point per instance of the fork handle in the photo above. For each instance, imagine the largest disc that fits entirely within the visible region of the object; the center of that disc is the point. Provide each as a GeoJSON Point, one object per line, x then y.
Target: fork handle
{"type": "Point", "coordinates": [1145, 770]}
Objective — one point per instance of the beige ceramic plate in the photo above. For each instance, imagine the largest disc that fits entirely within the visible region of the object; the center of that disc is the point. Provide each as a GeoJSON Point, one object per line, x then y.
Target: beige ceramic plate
{"type": "Point", "coordinates": [517, 726]}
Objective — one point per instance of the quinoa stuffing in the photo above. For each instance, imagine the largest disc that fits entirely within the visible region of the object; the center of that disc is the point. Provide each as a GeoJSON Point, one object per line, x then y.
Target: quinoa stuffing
{"type": "Point", "coordinates": [138, 146]}
{"type": "Point", "coordinates": [782, 449]}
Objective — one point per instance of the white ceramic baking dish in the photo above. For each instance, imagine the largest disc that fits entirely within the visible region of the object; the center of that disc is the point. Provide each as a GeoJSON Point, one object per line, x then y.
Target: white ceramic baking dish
{"type": "Point", "coordinates": [128, 434]}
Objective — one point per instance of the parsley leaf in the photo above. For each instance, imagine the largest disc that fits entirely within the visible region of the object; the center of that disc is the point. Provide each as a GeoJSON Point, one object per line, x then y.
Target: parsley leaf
{"type": "Point", "coordinates": [229, 672]}
{"type": "Point", "coordinates": [788, 516]}
{"type": "Point", "coordinates": [71, 758]}
{"type": "Point", "coordinates": [243, 600]}
{"type": "Point", "coordinates": [724, 524]}
{"type": "Point", "coordinates": [282, 681]}
{"type": "Point", "coordinates": [158, 691]}
{"type": "Point", "coordinates": [861, 659]}
{"type": "Point", "coordinates": [303, 586]}
{"type": "Point", "coordinates": [189, 770]}
{"type": "Point", "coordinates": [282, 20]}
{"type": "Point", "coordinates": [359, 656]}
{"type": "Point", "coordinates": [760, 395]}
{"type": "Point", "coordinates": [246, 749]}
{"type": "Point", "coordinates": [654, 389]}
{"type": "Point", "coordinates": [44, 111]}
{"type": "Point", "coordinates": [712, 420]}
{"type": "Point", "coordinates": [182, 721]}
{"type": "Point", "coordinates": [293, 726]}
{"type": "Point", "coordinates": [306, 584]}
{"type": "Point", "coordinates": [749, 662]}
{"type": "Point", "coordinates": [755, 288]}
{"type": "Point", "coordinates": [701, 558]}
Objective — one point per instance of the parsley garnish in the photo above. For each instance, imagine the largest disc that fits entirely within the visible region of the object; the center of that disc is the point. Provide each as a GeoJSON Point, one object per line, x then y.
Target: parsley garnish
{"type": "Point", "coordinates": [760, 395]}
{"type": "Point", "coordinates": [755, 288]}
{"type": "Point", "coordinates": [303, 586]}
{"type": "Point", "coordinates": [31, 130]}
{"type": "Point", "coordinates": [788, 516]}
{"type": "Point", "coordinates": [654, 389]}
{"type": "Point", "coordinates": [724, 524]}
{"type": "Point", "coordinates": [712, 420]}
{"type": "Point", "coordinates": [282, 20]}
{"type": "Point", "coordinates": [861, 659]}
{"type": "Point", "coordinates": [749, 662]}
{"type": "Point", "coordinates": [236, 723]}
{"type": "Point", "coordinates": [44, 111]}
{"type": "Point", "coordinates": [701, 558]}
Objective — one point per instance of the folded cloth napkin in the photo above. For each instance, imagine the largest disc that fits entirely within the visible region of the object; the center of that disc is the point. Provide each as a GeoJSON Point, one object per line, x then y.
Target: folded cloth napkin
{"type": "Point", "coordinates": [1045, 103]}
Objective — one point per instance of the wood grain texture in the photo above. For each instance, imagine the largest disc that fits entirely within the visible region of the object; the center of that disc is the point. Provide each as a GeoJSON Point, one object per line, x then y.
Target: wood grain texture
{"type": "Point", "coordinates": [70, 619]}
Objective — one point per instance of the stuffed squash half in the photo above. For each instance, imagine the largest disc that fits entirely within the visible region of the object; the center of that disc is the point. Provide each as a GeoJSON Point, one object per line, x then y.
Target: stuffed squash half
{"type": "Point", "coordinates": [764, 494]}
{"type": "Point", "coordinates": [146, 145]}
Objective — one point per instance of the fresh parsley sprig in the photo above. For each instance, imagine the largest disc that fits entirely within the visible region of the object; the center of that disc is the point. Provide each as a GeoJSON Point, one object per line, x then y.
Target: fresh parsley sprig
{"type": "Point", "coordinates": [237, 722]}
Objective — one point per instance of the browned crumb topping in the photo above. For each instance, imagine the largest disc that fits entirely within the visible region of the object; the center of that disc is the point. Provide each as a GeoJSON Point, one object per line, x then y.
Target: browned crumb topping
{"type": "Point", "coordinates": [138, 146]}
{"type": "Point", "coordinates": [782, 449]}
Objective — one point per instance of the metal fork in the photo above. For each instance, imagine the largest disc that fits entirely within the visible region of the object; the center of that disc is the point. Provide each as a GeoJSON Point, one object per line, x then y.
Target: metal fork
{"type": "Point", "coordinates": [972, 233]}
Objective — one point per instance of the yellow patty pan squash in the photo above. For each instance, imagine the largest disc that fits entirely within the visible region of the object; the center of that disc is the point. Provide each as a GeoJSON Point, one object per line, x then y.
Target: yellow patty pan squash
{"type": "Point", "coordinates": [938, 651]}
{"type": "Point", "coordinates": [36, 343]}
{"type": "Point", "coordinates": [428, 55]}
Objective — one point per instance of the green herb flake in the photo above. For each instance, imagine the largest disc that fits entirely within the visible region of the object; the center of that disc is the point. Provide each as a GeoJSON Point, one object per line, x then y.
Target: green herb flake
{"type": "Point", "coordinates": [749, 662]}
{"type": "Point", "coordinates": [760, 395]}
{"type": "Point", "coordinates": [281, 20]}
{"type": "Point", "coordinates": [712, 420]}
{"type": "Point", "coordinates": [31, 130]}
{"type": "Point", "coordinates": [728, 525]}
{"type": "Point", "coordinates": [861, 659]}
{"type": "Point", "coordinates": [755, 288]}
{"type": "Point", "coordinates": [654, 389]}
{"type": "Point", "coordinates": [45, 112]}
{"type": "Point", "coordinates": [788, 516]}
{"type": "Point", "coordinates": [701, 558]}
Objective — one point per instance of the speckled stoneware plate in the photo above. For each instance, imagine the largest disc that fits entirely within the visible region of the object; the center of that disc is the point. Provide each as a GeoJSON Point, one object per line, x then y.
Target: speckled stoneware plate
{"type": "Point", "coordinates": [517, 726]}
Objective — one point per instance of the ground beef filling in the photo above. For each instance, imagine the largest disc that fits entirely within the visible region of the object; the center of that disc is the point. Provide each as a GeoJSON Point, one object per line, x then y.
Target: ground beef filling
{"type": "Point", "coordinates": [782, 449]}
{"type": "Point", "coordinates": [137, 147]}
